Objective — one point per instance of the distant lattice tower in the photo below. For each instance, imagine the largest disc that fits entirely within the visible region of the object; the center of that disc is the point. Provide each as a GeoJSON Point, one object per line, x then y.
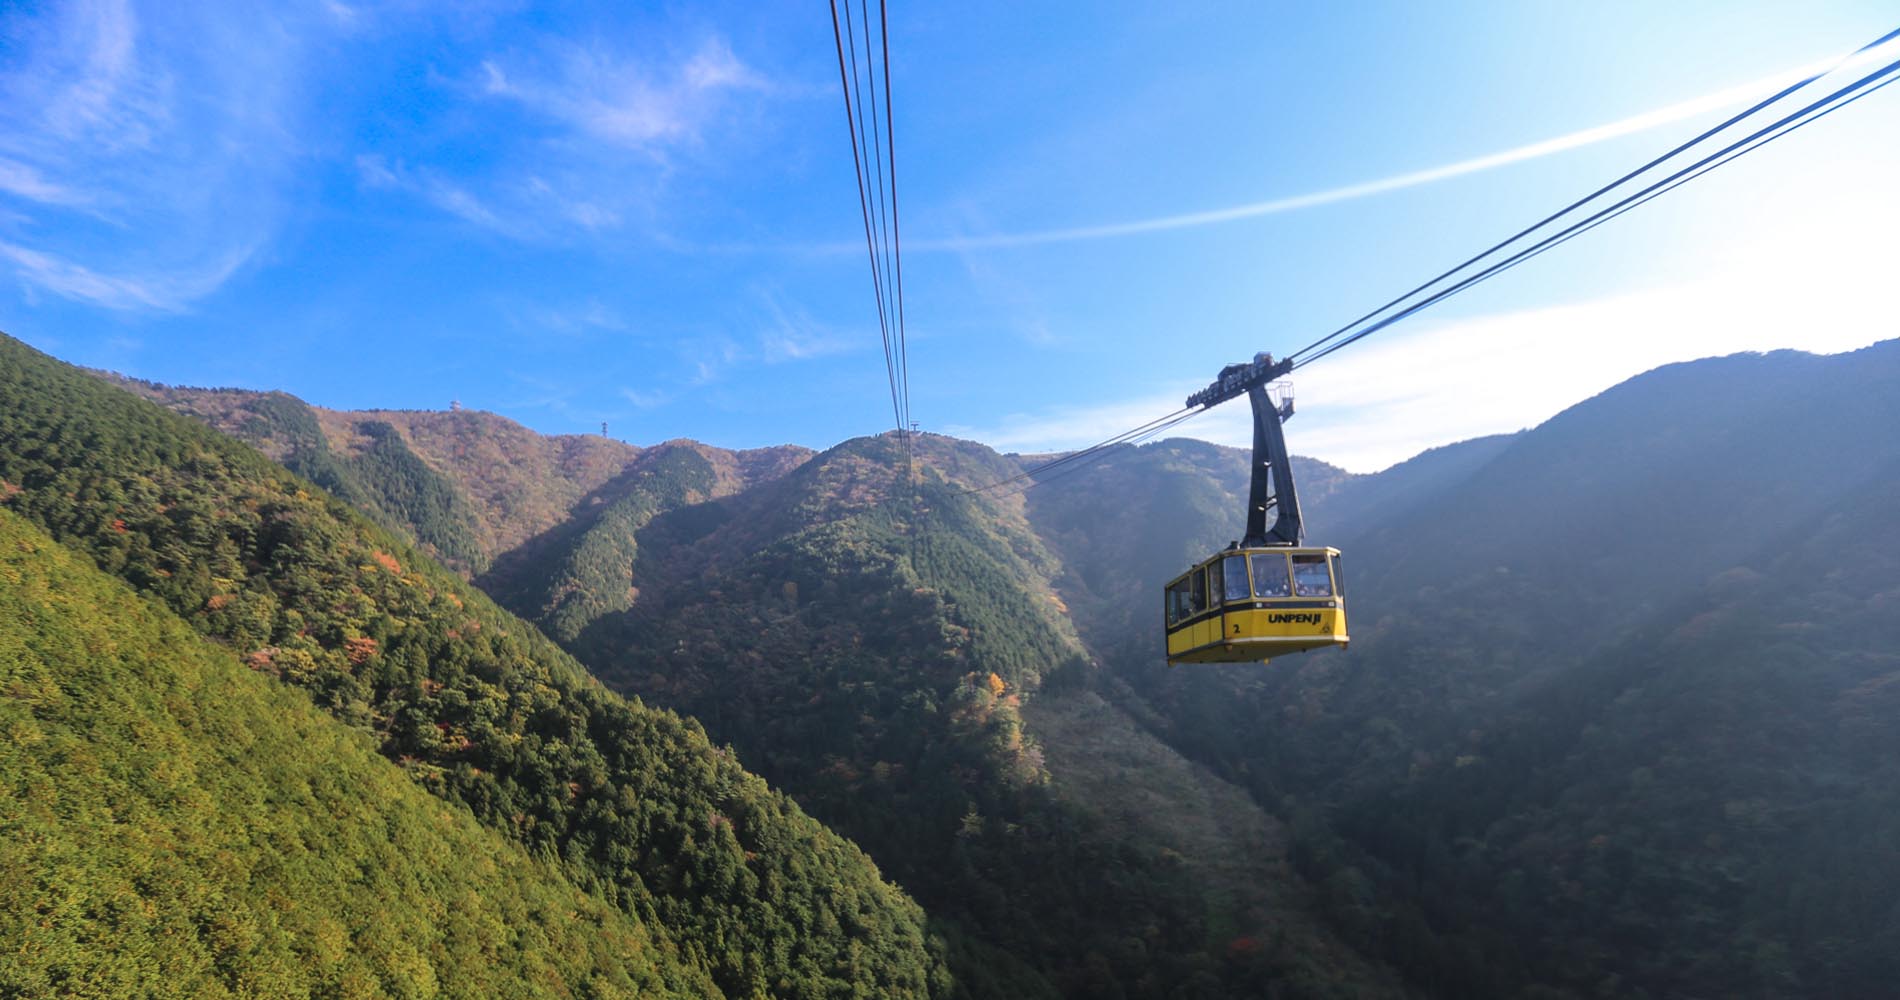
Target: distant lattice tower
{"type": "Point", "coordinates": [603, 428]}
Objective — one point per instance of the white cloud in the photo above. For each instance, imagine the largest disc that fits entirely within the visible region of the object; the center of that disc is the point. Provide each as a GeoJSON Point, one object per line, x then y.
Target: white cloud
{"type": "Point", "coordinates": [19, 179]}
{"type": "Point", "coordinates": [143, 149]}
{"type": "Point", "coordinates": [99, 98]}
{"type": "Point", "coordinates": [599, 134]}
{"type": "Point", "coordinates": [1067, 428]}
{"type": "Point", "coordinates": [645, 400]}
{"type": "Point", "coordinates": [380, 174]}
{"type": "Point", "coordinates": [168, 292]}
{"type": "Point", "coordinates": [1808, 266]}
{"type": "Point", "coordinates": [461, 204]}
{"type": "Point", "coordinates": [377, 173]}
{"type": "Point", "coordinates": [1396, 394]}
{"type": "Point", "coordinates": [1727, 98]}
{"type": "Point", "coordinates": [582, 318]}
{"type": "Point", "coordinates": [791, 334]}
{"type": "Point", "coordinates": [581, 210]}
{"type": "Point", "coordinates": [625, 101]}
{"type": "Point", "coordinates": [788, 344]}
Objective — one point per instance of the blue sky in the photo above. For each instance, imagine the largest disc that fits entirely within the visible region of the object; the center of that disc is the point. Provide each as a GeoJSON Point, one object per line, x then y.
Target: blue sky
{"type": "Point", "coordinates": [647, 215]}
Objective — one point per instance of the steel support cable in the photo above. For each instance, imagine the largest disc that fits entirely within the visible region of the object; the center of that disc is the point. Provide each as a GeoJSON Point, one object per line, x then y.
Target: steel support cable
{"type": "Point", "coordinates": [880, 205]}
{"type": "Point", "coordinates": [897, 242]}
{"type": "Point", "coordinates": [1075, 456]}
{"type": "Point", "coordinates": [1603, 215]}
{"type": "Point", "coordinates": [1728, 153]}
{"type": "Point", "coordinates": [1134, 434]}
{"type": "Point", "coordinates": [1699, 172]}
{"type": "Point", "coordinates": [1044, 474]}
{"type": "Point", "coordinates": [894, 260]}
{"type": "Point", "coordinates": [852, 122]}
{"type": "Point", "coordinates": [1130, 436]}
{"type": "Point", "coordinates": [873, 162]}
{"type": "Point", "coordinates": [1599, 192]}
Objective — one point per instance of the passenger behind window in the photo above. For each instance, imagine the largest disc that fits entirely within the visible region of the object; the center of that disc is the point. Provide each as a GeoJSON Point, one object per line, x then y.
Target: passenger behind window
{"type": "Point", "coordinates": [1269, 576]}
{"type": "Point", "coordinates": [1310, 578]}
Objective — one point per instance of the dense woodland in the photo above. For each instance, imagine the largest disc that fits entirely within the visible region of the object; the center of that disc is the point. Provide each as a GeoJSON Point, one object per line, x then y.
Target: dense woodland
{"type": "Point", "coordinates": [176, 824]}
{"type": "Point", "coordinates": [1626, 746]}
{"type": "Point", "coordinates": [636, 804]}
{"type": "Point", "coordinates": [1639, 744]}
{"type": "Point", "coordinates": [874, 663]}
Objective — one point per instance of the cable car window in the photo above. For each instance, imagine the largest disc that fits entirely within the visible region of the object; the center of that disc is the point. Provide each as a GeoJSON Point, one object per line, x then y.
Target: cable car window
{"type": "Point", "coordinates": [1177, 600]}
{"type": "Point", "coordinates": [1236, 574]}
{"type": "Point", "coordinates": [1310, 578]}
{"type": "Point", "coordinates": [1339, 577]}
{"type": "Point", "coordinates": [1197, 596]}
{"type": "Point", "coordinates": [1214, 585]}
{"type": "Point", "coordinates": [1269, 575]}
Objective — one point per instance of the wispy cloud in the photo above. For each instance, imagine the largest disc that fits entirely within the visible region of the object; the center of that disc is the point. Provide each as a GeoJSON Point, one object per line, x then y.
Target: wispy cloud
{"type": "Point", "coordinates": [599, 132]}
{"type": "Point", "coordinates": [450, 197]}
{"type": "Point", "coordinates": [103, 96]}
{"type": "Point", "coordinates": [19, 179]}
{"type": "Point", "coordinates": [646, 399]}
{"type": "Point", "coordinates": [1017, 303]}
{"type": "Point", "coordinates": [142, 150]}
{"type": "Point", "coordinates": [168, 292]}
{"type": "Point", "coordinates": [767, 331]}
{"type": "Point", "coordinates": [1395, 395]}
{"type": "Point", "coordinates": [626, 101]}
{"type": "Point", "coordinates": [1066, 428]}
{"type": "Point", "coordinates": [460, 203]}
{"type": "Point", "coordinates": [1727, 98]}
{"type": "Point", "coordinates": [705, 372]}
{"type": "Point", "coordinates": [584, 210]}
{"type": "Point", "coordinates": [591, 316]}
{"type": "Point", "coordinates": [791, 334]}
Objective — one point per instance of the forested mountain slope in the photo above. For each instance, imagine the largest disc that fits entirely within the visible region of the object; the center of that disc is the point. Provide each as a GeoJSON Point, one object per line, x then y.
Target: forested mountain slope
{"type": "Point", "coordinates": [888, 665]}
{"type": "Point", "coordinates": [468, 486]}
{"type": "Point", "coordinates": [894, 686]}
{"type": "Point", "coordinates": [1540, 768]}
{"type": "Point", "coordinates": [571, 575]}
{"type": "Point", "coordinates": [1600, 619]}
{"type": "Point", "coordinates": [1707, 807]}
{"type": "Point", "coordinates": [477, 706]}
{"type": "Point", "coordinates": [174, 824]}
{"type": "Point", "coordinates": [1363, 503]}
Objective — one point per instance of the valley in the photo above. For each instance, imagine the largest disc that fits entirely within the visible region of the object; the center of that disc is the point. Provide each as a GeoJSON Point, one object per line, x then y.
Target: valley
{"type": "Point", "coordinates": [967, 686]}
{"type": "Point", "coordinates": [506, 500]}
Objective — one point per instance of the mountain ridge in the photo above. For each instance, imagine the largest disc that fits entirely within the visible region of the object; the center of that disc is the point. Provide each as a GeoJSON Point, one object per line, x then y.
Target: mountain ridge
{"type": "Point", "coordinates": [480, 708]}
{"type": "Point", "coordinates": [1499, 602]}
{"type": "Point", "coordinates": [889, 649]}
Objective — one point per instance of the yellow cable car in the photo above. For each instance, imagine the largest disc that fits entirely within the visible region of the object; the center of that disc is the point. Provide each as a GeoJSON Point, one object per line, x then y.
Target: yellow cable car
{"type": "Point", "coordinates": [1248, 605]}
{"type": "Point", "coordinates": [1267, 594]}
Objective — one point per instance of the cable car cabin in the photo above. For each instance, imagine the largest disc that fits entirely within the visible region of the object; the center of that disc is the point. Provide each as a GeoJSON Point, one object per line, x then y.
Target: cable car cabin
{"type": "Point", "coordinates": [1250, 605]}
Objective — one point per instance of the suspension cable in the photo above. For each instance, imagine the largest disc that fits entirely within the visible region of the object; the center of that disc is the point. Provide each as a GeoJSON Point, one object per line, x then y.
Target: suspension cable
{"type": "Point", "coordinates": [1703, 170]}
{"type": "Point", "coordinates": [847, 79]}
{"type": "Point", "coordinates": [1605, 189]}
{"type": "Point", "coordinates": [874, 160]}
{"type": "Point", "coordinates": [1126, 437]}
{"type": "Point", "coordinates": [1755, 140]}
{"type": "Point", "coordinates": [1628, 202]}
{"type": "Point", "coordinates": [897, 243]}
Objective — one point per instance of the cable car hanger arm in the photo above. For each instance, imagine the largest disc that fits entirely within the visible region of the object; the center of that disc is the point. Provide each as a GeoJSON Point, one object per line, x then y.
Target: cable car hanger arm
{"type": "Point", "coordinates": [1236, 379]}
{"type": "Point", "coordinates": [1271, 466]}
